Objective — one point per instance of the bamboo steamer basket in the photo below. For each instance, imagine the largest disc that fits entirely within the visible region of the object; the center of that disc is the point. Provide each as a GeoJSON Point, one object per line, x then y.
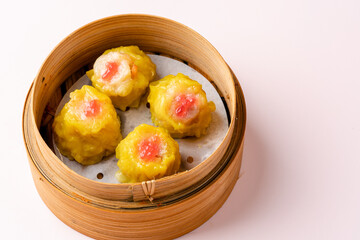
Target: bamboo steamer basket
{"type": "Point", "coordinates": [161, 209]}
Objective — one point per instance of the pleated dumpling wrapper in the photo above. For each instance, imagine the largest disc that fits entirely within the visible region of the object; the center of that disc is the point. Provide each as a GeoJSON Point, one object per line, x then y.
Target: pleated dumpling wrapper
{"type": "Point", "coordinates": [179, 104]}
{"type": "Point", "coordinates": [87, 128]}
{"type": "Point", "coordinates": [147, 153]}
{"type": "Point", "coordinates": [123, 74]}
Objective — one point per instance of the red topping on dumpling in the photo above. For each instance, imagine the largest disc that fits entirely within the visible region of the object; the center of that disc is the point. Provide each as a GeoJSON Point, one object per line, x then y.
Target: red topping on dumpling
{"type": "Point", "coordinates": [149, 148]}
{"type": "Point", "coordinates": [92, 108]}
{"type": "Point", "coordinates": [111, 70]}
{"type": "Point", "coordinates": [184, 104]}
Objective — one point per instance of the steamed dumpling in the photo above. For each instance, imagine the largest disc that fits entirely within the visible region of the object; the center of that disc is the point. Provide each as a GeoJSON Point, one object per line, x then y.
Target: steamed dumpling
{"type": "Point", "coordinates": [123, 74]}
{"type": "Point", "coordinates": [87, 128]}
{"type": "Point", "coordinates": [179, 104]}
{"type": "Point", "coordinates": [147, 153]}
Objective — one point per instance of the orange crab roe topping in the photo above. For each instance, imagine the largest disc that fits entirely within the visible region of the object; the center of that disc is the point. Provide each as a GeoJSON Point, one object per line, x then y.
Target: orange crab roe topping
{"type": "Point", "coordinates": [111, 70]}
{"type": "Point", "coordinates": [92, 108]}
{"type": "Point", "coordinates": [149, 148]}
{"type": "Point", "coordinates": [183, 104]}
{"type": "Point", "coordinates": [134, 71]}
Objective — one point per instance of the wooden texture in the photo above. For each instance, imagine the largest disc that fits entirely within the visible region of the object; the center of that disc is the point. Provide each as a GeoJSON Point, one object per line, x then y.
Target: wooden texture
{"type": "Point", "coordinates": [183, 201]}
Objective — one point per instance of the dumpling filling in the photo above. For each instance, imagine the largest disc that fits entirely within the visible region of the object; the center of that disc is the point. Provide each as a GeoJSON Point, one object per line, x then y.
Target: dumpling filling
{"type": "Point", "coordinates": [116, 71]}
{"type": "Point", "coordinates": [149, 148]}
{"type": "Point", "coordinates": [184, 107]}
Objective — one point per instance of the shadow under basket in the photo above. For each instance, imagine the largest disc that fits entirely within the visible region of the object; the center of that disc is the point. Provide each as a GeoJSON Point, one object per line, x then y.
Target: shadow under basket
{"type": "Point", "coordinates": [162, 209]}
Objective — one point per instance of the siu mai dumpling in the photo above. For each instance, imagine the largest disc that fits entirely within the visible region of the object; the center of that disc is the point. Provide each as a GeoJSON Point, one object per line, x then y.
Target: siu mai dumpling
{"type": "Point", "coordinates": [123, 74]}
{"type": "Point", "coordinates": [179, 104]}
{"type": "Point", "coordinates": [87, 128]}
{"type": "Point", "coordinates": [147, 153]}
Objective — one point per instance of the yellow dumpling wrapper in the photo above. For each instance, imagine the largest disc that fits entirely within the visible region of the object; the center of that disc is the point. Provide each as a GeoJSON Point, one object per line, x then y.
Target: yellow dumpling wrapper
{"type": "Point", "coordinates": [147, 153]}
{"type": "Point", "coordinates": [87, 128]}
{"type": "Point", "coordinates": [123, 74]}
{"type": "Point", "coordinates": [179, 104]}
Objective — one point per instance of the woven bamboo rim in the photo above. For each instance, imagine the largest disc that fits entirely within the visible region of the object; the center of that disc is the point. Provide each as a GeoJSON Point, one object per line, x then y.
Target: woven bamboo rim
{"type": "Point", "coordinates": [83, 203]}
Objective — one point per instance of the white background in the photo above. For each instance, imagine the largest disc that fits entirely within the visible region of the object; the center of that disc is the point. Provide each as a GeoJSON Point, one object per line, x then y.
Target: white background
{"type": "Point", "coordinates": [298, 63]}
